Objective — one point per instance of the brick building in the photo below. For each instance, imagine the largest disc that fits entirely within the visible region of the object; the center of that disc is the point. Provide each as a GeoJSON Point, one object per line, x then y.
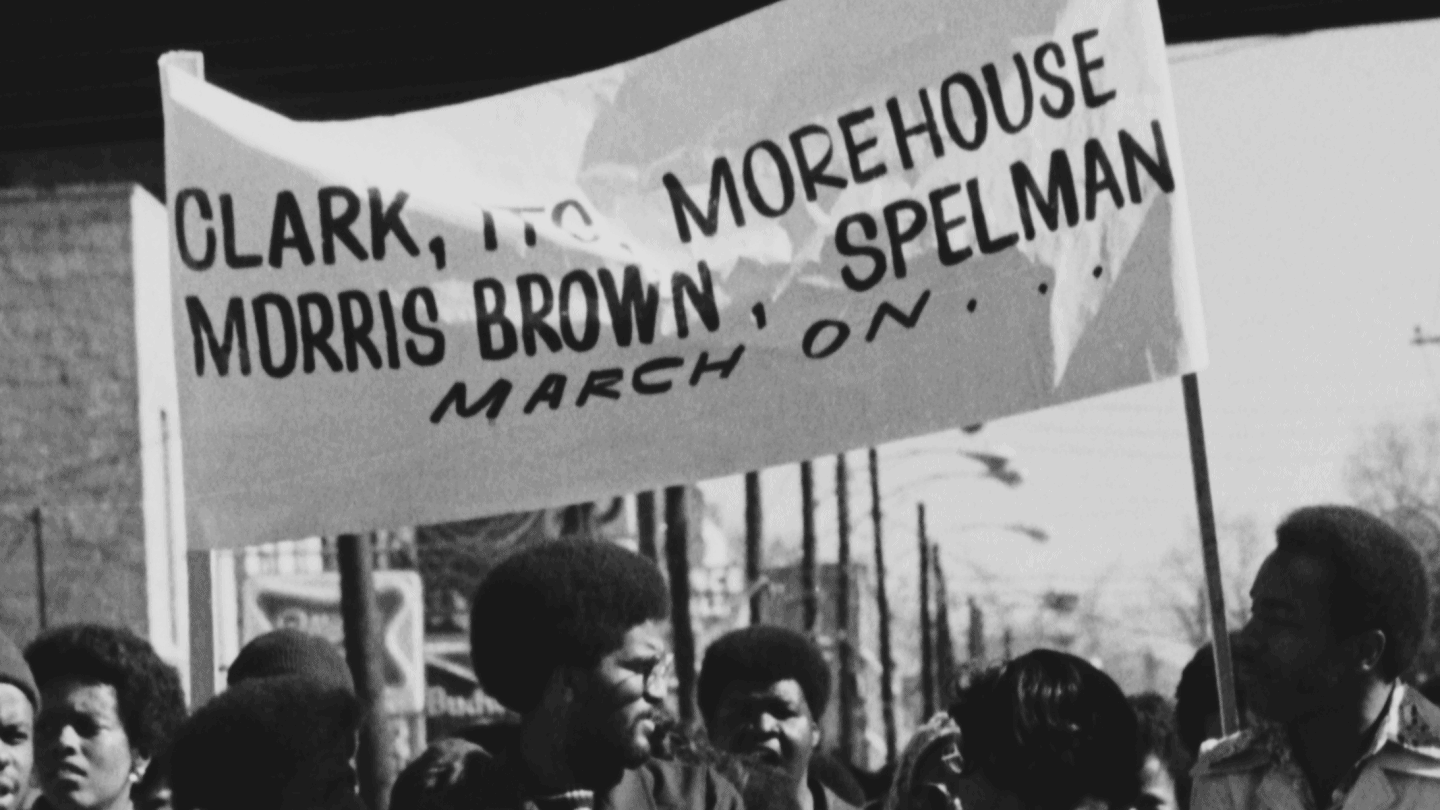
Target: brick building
{"type": "Point", "coordinates": [86, 398]}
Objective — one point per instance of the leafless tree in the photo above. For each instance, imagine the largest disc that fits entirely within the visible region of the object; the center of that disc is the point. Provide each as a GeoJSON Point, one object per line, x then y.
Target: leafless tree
{"type": "Point", "coordinates": [1396, 466]}
{"type": "Point", "coordinates": [1180, 582]}
{"type": "Point", "coordinates": [1395, 472]}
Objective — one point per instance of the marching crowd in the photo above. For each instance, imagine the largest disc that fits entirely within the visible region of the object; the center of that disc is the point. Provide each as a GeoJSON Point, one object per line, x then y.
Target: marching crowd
{"type": "Point", "coordinates": [572, 637]}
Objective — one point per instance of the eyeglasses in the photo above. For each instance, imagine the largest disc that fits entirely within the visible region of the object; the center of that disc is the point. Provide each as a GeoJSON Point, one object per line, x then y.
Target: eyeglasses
{"type": "Point", "coordinates": [658, 677]}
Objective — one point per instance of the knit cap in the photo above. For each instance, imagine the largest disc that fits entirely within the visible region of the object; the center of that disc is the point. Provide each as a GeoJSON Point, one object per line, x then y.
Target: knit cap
{"type": "Point", "coordinates": [291, 652]}
{"type": "Point", "coordinates": [274, 742]}
{"type": "Point", "coordinates": [14, 670]}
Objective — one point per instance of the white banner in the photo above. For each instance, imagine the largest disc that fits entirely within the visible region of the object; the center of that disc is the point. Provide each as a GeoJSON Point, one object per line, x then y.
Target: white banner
{"type": "Point", "coordinates": [827, 224]}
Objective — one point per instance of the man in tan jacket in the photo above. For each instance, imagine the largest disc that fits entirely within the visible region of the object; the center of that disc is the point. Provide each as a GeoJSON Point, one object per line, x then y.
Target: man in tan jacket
{"type": "Point", "coordinates": [1339, 610]}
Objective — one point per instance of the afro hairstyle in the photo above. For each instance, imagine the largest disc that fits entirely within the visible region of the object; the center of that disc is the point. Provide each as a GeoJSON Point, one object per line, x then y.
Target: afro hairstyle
{"type": "Point", "coordinates": [763, 654]}
{"type": "Point", "coordinates": [1196, 699]}
{"type": "Point", "coordinates": [1053, 730]}
{"type": "Point", "coordinates": [1378, 579]}
{"type": "Point", "coordinates": [148, 694]}
{"type": "Point", "coordinates": [1156, 736]}
{"type": "Point", "coordinates": [283, 742]}
{"type": "Point", "coordinates": [559, 603]}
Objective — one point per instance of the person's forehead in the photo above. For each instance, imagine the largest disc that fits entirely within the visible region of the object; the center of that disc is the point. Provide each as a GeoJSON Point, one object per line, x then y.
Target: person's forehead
{"type": "Point", "coordinates": [787, 690]}
{"type": "Point", "coordinates": [644, 639]}
{"type": "Point", "coordinates": [1297, 580]}
{"type": "Point", "coordinates": [15, 707]}
{"type": "Point", "coordinates": [79, 695]}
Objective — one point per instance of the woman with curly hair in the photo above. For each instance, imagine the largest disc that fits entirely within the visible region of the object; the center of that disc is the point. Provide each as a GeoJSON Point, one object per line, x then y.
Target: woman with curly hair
{"type": "Point", "coordinates": [108, 706]}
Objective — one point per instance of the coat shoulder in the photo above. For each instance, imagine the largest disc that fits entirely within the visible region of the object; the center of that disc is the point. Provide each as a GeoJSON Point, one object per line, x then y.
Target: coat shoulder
{"type": "Point", "coordinates": [683, 786]}
{"type": "Point", "coordinates": [1233, 754]}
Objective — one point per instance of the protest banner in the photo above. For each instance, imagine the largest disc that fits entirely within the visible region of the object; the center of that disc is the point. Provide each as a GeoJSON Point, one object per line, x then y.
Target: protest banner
{"type": "Point", "coordinates": [821, 225]}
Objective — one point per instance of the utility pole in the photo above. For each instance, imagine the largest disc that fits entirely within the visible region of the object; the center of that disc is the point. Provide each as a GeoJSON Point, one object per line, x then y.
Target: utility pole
{"type": "Point", "coordinates": [753, 530]}
{"type": "Point", "coordinates": [842, 606]}
{"type": "Point", "coordinates": [807, 548]}
{"type": "Point", "coordinates": [944, 642]}
{"type": "Point", "coordinates": [677, 558]}
{"type": "Point", "coordinates": [37, 519]}
{"type": "Point", "coordinates": [645, 525]}
{"type": "Point", "coordinates": [887, 661]}
{"type": "Point", "coordinates": [976, 637]}
{"type": "Point", "coordinates": [360, 616]}
{"type": "Point", "coordinates": [927, 641]}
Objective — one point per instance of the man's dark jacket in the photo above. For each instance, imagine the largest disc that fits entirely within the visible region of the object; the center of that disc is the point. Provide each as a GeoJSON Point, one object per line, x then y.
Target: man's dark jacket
{"type": "Point", "coordinates": [458, 773]}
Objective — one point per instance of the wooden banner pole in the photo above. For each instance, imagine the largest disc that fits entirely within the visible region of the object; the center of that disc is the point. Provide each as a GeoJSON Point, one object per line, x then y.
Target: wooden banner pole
{"type": "Point", "coordinates": [849, 697]}
{"type": "Point", "coordinates": [645, 526]}
{"type": "Point", "coordinates": [360, 615]}
{"type": "Point", "coordinates": [682, 631]}
{"type": "Point", "coordinates": [1210, 551]}
{"type": "Point", "coordinates": [808, 581]}
{"type": "Point", "coordinates": [754, 563]}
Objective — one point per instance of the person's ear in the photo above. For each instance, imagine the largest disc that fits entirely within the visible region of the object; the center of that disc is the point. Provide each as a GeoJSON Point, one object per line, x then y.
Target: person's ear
{"type": "Point", "coordinates": [1369, 649]}
{"type": "Point", "coordinates": [815, 733]}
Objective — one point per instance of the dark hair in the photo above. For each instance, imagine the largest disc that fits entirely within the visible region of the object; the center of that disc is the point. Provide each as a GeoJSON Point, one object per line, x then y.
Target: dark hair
{"type": "Point", "coordinates": [1378, 579]}
{"type": "Point", "coordinates": [1196, 698]}
{"type": "Point", "coordinates": [449, 775]}
{"type": "Point", "coordinates": [1156, 736]}
{"type": "Point", "coordinates": [763, 654]}
{"type": "Point", "coordinates": [282, 742]}
{"type": "Point", "coordinates": [1051, 729]}
{"type": "Point", "coordinates": [287, 651]}
{"type": "Point", "coordinates": [555, 604]}
{"type": "Point", "coordinates": [148, 694]}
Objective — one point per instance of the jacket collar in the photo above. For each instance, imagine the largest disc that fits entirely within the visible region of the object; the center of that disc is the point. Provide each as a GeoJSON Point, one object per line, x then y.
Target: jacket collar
{"type": "Point", "coordinates": [831, 800]}
{"type": "Point", "coordinates": [1406, 741]}
{"type": "Point", "coordinates": [631, 793]}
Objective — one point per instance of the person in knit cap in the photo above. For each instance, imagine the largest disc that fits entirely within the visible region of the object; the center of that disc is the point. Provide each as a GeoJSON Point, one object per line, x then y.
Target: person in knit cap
{"type": "Point", "coordinates": [282, 742]}
{"type": "Point", "coordinates": [108, 705]}
{"type": "Point", "coordinates": [291, 652]}
{"type": "Point", "coordinates": [19, 701]}
{"type": "Point", "coordinates": [570, 636]}
{"type": "Point", "coordinates": [762, 691]}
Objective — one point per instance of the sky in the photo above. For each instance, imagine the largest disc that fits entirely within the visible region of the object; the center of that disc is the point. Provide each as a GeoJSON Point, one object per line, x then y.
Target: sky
{"type": "Point", "coordinates": [1312, 166]}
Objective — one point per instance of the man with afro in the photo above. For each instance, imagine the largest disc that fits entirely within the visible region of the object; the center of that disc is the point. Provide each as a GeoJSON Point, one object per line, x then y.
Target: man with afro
{"type": "Point", "coordinates": [570, 635]}
{"type": "Point", "coordinates": [1339, 609]}
{"type": "Point", "coordinates": [762, 692]}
